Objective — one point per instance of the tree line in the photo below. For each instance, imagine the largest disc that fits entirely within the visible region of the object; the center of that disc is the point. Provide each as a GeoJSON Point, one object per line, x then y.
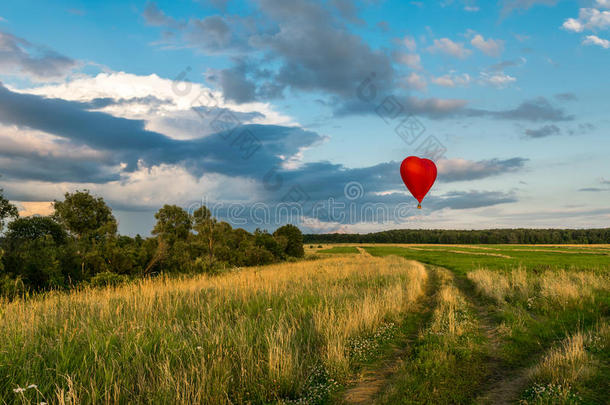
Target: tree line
{"type": "Point", "coordinates": [79, 244]}
{"type": "Point", "coordinates": [486, 236]}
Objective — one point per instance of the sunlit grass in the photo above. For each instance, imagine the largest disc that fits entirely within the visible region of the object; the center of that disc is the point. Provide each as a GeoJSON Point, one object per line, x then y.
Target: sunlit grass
{"type": "Point", "coordinates": [260, 334]}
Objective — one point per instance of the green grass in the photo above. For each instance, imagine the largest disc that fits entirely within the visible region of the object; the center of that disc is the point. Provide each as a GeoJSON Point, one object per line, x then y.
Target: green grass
{"type": "Point", "coordinates": [561, 291]}
{"type": "Point", "coordinates": [534, 258]}
{"type": "Point", "coordinates": [340, 250]}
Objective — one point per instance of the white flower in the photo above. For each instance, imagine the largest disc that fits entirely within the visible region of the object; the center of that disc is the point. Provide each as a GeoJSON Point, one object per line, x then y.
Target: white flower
{"type": "Point", "coordinates": [32, 386]}
{"type": "Point", "coordinates": [18, 390]}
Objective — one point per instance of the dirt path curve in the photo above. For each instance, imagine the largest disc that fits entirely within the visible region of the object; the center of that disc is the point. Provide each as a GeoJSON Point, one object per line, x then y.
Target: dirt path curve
{"type": "Point", "coordinates": [504, 383]}
{"type": "Point", "coordinates": [371, 381]}
{"type": "Point", "coordinates": [363, 252]}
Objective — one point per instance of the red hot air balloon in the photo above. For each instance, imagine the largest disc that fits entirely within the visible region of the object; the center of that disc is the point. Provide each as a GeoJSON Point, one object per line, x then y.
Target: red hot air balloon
{"type": "Point", "coordinates": [419, 176]}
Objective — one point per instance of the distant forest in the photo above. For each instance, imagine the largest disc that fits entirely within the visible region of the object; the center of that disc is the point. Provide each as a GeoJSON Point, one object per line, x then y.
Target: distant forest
{"type": "Point", "coordinates": [491, 236]}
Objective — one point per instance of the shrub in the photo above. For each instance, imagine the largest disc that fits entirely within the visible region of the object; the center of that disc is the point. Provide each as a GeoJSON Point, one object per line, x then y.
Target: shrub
{"type": "Point", "coordinates": [107, 278]}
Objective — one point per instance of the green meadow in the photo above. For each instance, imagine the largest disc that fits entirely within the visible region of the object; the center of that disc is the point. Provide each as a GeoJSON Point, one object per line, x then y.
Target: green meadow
{"type": "Point", "coordinates": [353, 324]}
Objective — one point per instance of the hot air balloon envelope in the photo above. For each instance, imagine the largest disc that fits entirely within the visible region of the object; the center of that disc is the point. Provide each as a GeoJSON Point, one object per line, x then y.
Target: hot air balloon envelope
{"type": "Point", "coordinates": [418, 175]}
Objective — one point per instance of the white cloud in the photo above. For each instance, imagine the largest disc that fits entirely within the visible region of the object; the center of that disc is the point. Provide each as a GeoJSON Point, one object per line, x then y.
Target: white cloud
{"type": "Point", "coordinates": [602, 3]}
{"type": "Point", "coordinates": [471, 9]}
{"type": "Point", "coordinates": [452, 80]}
{"type": "Point", "coordinates": [412, 60]}
{"type": "Point", "coordinates": [490, 47]}
{"type": "Point", "coordinates": [499, 79]}
{"type": "Point", "coordinates": [448, 47]}
{"type": "Point", "coordinates": [410, 43]}
{"type": "Point", "coordinates": [416, 81]}
{"type": "Point", "coordinates": [164, 104]}
{"type": "Point", "coordinates": [149, 188]}
{"type": "Point", "coordinates": [588, 19]}
{"type": "Point", "coordinates": [595, 40]}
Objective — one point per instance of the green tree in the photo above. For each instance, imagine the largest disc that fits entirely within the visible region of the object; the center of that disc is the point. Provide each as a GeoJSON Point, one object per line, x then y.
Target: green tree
{"type": "Point", "coordinates": [90, 221]}
{"type": "Point", "coordinates": [85, 215]}
{"type": "Point", "coordinates": [207, 230]}
{"type": "Point", "coordinates": [294, 240]}
{"type": "Point", "coordinates": [172, 229]}
{"type": "Point", "coordinates": [34, 251]}
{"type": "Point", "coordinates": [7, 211]}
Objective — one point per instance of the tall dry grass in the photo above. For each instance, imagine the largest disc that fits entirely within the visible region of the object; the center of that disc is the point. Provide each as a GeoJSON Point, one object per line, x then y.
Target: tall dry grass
{"type": "Point", "coordinates": [574, 360]}
{"type": "Point", "coordinates": [451, 315]}
{"type": "Point", "coordinates": [552, 289]}
{"type": "Point", "coordinates": [254, 335]}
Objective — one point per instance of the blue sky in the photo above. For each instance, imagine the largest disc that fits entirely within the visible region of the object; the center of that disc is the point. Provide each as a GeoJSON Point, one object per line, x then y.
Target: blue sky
{"type": "Point", "coordinates": [94, 96]}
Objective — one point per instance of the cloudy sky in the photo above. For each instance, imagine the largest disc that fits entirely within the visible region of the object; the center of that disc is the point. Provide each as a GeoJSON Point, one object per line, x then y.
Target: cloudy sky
{"type": "Point", "coordinates": [247, 106]}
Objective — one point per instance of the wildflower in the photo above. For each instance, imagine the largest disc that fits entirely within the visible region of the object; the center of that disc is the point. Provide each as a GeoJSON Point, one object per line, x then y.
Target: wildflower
{"type": "Point", "coordinates": [18, 390]}
{"type": "Point", "coordinates": [34, 386]}
{"type": "Point", "coordinates": [268, 309]}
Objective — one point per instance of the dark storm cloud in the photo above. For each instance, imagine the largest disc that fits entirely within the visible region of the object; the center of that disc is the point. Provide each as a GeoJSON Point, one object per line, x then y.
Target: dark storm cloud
{"type": "Point", "coordinates": [132, 143]}
{"type": "Point", "coordinates": [150, 101]}
{"type": "Point", "coordinates": [566, 97]}
{"type": "Point", "coordinates": [508, 6]}
{"type": "Point", "coordinates": [18, 56]}
{"type": "Point", "coordinates": [538, 109]}
{"type": "Point", "coordinates": [499, 67]}
{"type": "Point", "coordinates": [592, 189]}
{"type": "Point", "coordinates": [317, 52]}
{"type": "Point", "coordinates": [348, 10]}
{"type": "Point", "coordinates": [155, 17]}
{"type": "Point", "coordinates": [535, 110]}
{"type": "Point", "coordinates": [44, 167]}
{"type": "Point", "coordinates": [542, 132]}
{"type": "Point", "coordinates": [425, 107]}
{"type": "Point", "coordinates": [219, 4]}
{"type": "Point", "coordinates": [308, 48]}
{"type": "Point", "coordinates": [211, 33]}
{"type": "Point", "coordinates": [453, 170]}
{"type": "Point", "coordinates": [235, 85]}
{"type": "Point", "coordinates": [119, 140]}
{"type": "Point", "coordinates": [459, 200]}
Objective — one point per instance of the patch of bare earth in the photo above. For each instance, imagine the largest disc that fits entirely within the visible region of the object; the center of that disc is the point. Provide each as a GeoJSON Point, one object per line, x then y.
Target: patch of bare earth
{"type": "Point", "coordinates": [370, 382]}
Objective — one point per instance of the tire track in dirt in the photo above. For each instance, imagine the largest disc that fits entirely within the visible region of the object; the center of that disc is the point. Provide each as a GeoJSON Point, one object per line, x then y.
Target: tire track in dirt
{"type": "Point", "coordinates": [504, 383]}
{"type": "Point", "coordinates": [371, 381]}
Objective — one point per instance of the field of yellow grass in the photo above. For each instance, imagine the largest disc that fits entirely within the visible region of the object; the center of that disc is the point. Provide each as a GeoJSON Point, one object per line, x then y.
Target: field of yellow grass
{"type": "Point", "coordinates": [275, 333]}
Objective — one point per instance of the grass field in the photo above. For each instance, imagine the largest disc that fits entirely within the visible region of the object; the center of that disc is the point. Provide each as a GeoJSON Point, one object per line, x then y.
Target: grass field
{"type": "Point", "coordinates": [362, 324]}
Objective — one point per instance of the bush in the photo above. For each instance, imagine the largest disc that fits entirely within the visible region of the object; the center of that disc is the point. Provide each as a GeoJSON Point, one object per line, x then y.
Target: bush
{"type": "Point", "coordinates": [294, 240]}
{"type": "Point", "coordinates": [11, 288]}
{"type": "Point", "coordinates": [107, 278]}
